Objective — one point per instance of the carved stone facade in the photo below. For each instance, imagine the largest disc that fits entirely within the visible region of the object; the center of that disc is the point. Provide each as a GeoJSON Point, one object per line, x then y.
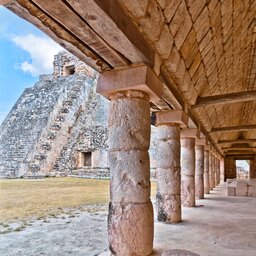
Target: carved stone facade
{"type": "Point", "coordinates": [57, 127]}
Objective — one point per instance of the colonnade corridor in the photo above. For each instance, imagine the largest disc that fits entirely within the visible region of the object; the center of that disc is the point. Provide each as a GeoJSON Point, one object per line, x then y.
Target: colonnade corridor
{"type": "Point", "coordinates": [219, 225]}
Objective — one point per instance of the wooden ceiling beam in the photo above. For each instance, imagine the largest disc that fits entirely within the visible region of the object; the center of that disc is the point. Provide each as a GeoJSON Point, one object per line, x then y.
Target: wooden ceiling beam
{"type": "Point", "coordinates": [234, 128]}
{"type": "Point", "coordinates": [239, 152]}
{"type": "Point", "coordinates": [238, 141]}
{"type": "Point", "coordinates": [225, 98]}
{"type": "Point", "coordinates": [239, 148]}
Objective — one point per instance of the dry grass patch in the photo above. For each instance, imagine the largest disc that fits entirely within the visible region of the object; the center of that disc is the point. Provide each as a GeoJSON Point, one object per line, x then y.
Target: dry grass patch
{"type": "Point", "coordinates": [24, 199]}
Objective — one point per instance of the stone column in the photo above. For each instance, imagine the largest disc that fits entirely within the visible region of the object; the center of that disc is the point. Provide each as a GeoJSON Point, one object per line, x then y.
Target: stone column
{"type": "Point", "coordinates": [206, 170]}
{"type": "Point", "coordinates": [211, 185]}
{"type": "Point", "coordinates": [168, 199]}
{"type": "Point", "coordinates": [218, 171]}
{"type": "Point", "coordinates": [188, 169]}
{"type": "Point", "coordinates": [222, 170]}
{"type": "Point", "coordinates": [130, 217]}
{"type": "Point", "coordinates": [199, 171]}
{"type": "Point", "coordinates": [215, 171]}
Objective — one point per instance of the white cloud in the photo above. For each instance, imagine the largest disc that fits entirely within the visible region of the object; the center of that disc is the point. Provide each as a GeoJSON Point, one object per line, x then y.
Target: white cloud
{"type": "Point", "coordinates": [41, 51]}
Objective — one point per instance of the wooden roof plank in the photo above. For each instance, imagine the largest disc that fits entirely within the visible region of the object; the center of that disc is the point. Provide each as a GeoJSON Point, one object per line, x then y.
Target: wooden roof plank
{"type": "Point", "coordinates": [234, 128]}
{"type": "Point", "coordinates": [225, 98]}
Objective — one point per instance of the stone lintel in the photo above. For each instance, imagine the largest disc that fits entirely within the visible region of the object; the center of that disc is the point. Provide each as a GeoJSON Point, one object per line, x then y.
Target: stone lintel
{"type": "Point", "coordinates": [201, 142]}
{"type": "Point", "coordinates": [190, 133]}
{"type": "Point", "coordinates": [172, 116]}
{"type": "Point", "coordinates": [139, 78]}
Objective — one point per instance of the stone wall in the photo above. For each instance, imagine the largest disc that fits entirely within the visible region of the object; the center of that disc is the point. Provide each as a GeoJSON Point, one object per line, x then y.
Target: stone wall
{"type": "Point", "coordinates": [52, 122]}
{"type": "Point", "coordinates": [24, 124]}
{"type": "Point", "coordinates": [230, 167]}
{"type": "Point", "coordinates": [58, 122]}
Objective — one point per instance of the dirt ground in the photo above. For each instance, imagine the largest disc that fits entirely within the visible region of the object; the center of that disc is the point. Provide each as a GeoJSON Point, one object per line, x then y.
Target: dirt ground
{"type": "Point", "coordinates": [54, 216]}
{"type": "Point", "coordinates": [78, 232]}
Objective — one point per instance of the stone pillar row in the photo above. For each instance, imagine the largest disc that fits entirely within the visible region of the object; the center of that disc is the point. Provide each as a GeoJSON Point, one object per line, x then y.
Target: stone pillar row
{"type": "Point", "coordinates": [168, 174]}
{"type": "Point", "coordinates": [168, 196]}
{"type": "Point", "coordinates": [180, 161]}
{"type": "Point", "coordinates": [130, 219]}
{"type": "Point", "coordinates": [188, 171]}
{"type": "Point", "coordinates": [206, 170]}
{"type": "Point", "coordinates": [130, 216]}
{"type": "Point", "coordinates": [199, 175]}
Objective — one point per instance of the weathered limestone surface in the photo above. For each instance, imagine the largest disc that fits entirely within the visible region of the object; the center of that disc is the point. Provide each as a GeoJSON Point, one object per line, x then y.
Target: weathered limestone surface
{"type": "Point", "coordinates": [240, 187]}
{"type": "Point", "coordinates": [222, 170]}
{"type": "Point", "coordinates": [211, 175]}
{"type": "Point", "coordinates": [45, 130]}
{"type": "Point", "coordinates": [200, 48]}
{"type": "Point", "coordinates": [130, 220]}
{"type": "Point", "coordinates": [22, 127]}
{"type": "Point", "coordinates": [188, 172]}
{"type": "Point", "coordinates": [218, 172]}
{"type": "Point", "coordinates": [215, 170]}
{"type": "Point", "coordinates": [168, 173]}
{"type": "Point", "coordinates": [199, 171]}
{"type": "Point", "coordinates": [206, 171]}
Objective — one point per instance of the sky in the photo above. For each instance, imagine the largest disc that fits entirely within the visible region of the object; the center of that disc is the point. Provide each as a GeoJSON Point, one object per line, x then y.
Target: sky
{"type": "Point", "coordinates": [25, 53]}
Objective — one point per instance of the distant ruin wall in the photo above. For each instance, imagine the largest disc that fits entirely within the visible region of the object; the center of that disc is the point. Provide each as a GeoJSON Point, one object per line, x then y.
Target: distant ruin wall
{"type": "Point", "coordinates": [53, 122]}
{"type": "Point", "coordinates": [59, 126]}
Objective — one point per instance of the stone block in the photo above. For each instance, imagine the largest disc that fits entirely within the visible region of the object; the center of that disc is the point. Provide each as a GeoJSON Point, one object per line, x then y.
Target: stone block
{"type": "Point", "coordinates": [166, 132]}
{"type": "Point", "coordinates": [169, 208]}
{"type": "Point", "coordinates": [189, 133]}
{"type": "Point", "coordinates": [252, 190]}
{"type": "Point", "coordinates": [165, 42]}
{"type": "Point", "coordinates": [231, 191]}
{"type": "Point", "coordinates": [130, 175]}
{"type": "Point", "coordinates": [241, 188]}
{"type": "Point", "coordinates": [170, 9]}
{"type": "Point", "coordinates": [131, 229]}
{"type": "Point", "coordinates": [188, 191]}
{"type": "Point", "coordinates": [168, 181]}
{"type": "Point", "coordinates": [173, 116]}
{"type": "Point", "coordinates": [167, 154]}
{"type": "Point", "coordinates": [129, 131]}
{"type": "Point", "coordinates": [138, 78]}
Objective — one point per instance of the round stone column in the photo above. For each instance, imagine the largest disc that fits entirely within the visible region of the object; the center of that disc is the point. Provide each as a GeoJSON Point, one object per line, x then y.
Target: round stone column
{"type": "Point", "coordinates": [168, 199]}
{"type": "Point", "coordinates": [206, 172]}
{"type": "Point", "coordinates": [211, 167]}
{"type": "Point", "coordinates": [222, 174]}
{"type": "Point", "coordinates": [188, 172]}
{"type": "Point", "coordinates": [130, 218]}
{"type": "Point", "coordinates": [214, 171]}
{"type": "Point", "coordinates": [199, 171]}
{"type": "Point", "coordinates": [217, 171]}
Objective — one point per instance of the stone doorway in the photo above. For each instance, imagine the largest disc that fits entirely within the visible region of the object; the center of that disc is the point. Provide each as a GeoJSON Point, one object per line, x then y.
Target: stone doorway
{"type": "Point", "coordinates": [85, 159]}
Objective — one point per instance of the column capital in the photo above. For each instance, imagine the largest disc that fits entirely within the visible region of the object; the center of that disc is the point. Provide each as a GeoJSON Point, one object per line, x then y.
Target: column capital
{"type": "Point", "coordinates": [190, 133]}
{"type": "Point", "coordinates": [172, 116]}
{"type": "Point", "coordinates": [137, 78]}
{"type": "Point", "coordinates": [202, 142]}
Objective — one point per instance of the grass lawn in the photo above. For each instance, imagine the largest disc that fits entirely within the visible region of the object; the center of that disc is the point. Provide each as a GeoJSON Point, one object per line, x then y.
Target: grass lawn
{"type": "Point", "coordinates": [22, 199]}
